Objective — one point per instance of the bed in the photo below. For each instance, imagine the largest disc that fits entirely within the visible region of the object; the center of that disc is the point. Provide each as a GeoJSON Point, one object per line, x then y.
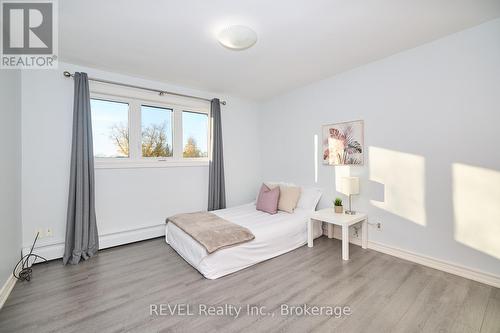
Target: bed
{"type": "Point", "coordinates": [274, 235]}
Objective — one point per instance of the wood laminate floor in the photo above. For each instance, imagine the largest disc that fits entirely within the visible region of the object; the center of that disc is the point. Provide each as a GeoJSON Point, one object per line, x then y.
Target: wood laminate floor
{"type": "Point", "coordinates": [113, 292]}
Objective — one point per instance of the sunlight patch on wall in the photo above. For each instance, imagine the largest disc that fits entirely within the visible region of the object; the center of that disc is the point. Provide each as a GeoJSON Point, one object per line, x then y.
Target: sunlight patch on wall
{"type": "Point", "coordinates": [403, 178]}
{"type": "Point", "coordinates": [316, 158]}
{"type": "Point", "coordinates": [476, 204]}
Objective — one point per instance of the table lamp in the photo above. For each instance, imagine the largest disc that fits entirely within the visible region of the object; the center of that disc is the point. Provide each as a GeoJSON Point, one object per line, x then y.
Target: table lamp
{"type": "Point", "coordinates": [350, 186]}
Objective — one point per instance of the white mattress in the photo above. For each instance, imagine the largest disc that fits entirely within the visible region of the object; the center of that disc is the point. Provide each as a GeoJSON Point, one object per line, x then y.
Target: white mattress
{"type": "Point", "coordinates": [274, 235]}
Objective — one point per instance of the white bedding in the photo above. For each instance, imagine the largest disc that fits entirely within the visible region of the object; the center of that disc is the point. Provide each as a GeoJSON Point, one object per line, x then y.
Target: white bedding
{"type": "Point", "coordinates": [274, 235]}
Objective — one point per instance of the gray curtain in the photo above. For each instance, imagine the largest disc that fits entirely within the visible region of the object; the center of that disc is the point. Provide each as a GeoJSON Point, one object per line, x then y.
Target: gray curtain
{"type": "Point", "coordinates": [81, 228]}
{"type": "Point", "coordinates": [216, 184]}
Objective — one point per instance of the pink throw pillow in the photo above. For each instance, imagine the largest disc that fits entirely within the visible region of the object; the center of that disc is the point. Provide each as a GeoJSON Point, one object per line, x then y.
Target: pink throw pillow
{"type": "Point", "coordinates": [268, 199]}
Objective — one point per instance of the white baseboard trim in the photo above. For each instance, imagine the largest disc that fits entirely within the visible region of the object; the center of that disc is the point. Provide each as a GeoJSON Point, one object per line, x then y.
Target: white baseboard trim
{"type": "Point", "coordinates": [56, 250]}
{"type": "Point", "coordinates": [441, 265]}
{"type": "Point", "coordinates": [7, 289]}
{"type": "Point", "coordinates": [424, 260]}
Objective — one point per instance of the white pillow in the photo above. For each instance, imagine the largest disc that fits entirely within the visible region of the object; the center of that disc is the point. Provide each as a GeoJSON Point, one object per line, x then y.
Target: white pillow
{"type": "Point", "coordinates": [309, 198]}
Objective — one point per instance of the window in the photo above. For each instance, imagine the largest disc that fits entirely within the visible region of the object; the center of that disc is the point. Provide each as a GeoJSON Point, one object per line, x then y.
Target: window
{"type": "Point", "coordinates": [148, 131]}
{"type": "Point", "coordinates": [110, 128]}
{"type": "Point", "coordinates": [156, 131]}
{"type": "Point", "coordinates": [194, 134]}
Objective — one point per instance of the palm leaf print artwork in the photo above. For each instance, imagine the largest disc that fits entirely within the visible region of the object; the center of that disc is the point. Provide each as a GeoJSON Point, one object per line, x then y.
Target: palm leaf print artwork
{"type": "Point", "coordinates": [343, 143]}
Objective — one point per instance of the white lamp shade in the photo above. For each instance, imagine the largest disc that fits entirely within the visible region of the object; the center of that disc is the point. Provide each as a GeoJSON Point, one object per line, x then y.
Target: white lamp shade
{"type": "Point", "coordinates": [350, 185]}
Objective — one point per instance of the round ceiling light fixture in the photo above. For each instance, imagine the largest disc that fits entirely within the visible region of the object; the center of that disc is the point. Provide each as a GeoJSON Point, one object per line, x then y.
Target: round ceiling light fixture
{"type": "Point", "coordinates": [237, 37]}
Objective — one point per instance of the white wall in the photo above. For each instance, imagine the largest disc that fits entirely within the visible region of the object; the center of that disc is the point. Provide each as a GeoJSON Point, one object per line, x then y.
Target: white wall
{"type": "Point", "coordinates": [10, 172]}
{"type": "Point", "coordinates": [126, 199]}
{"type": "Point", "coordinates": [431, 122]}
{"type": "Point", "coordinates": [432, 171]}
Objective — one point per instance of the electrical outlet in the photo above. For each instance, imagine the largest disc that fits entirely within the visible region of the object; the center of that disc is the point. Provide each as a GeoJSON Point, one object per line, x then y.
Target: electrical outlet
{"type": "Point", "coordinates": [377, 225]}
{"type": "Point", "coordinates": [48, 232]}
{"type": "Point", "coordinates": [41, 232]}
{"type": "Point", "coordinates": [355, 234]}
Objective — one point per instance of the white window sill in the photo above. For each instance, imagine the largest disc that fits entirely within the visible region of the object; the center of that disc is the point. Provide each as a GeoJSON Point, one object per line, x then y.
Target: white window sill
{"type": "Point", "coordinates": [140, 164]}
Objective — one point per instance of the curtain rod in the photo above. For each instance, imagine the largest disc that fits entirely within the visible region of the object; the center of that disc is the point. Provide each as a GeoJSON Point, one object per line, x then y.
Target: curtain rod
{"type": "Point", "coordinates": [161, 92]}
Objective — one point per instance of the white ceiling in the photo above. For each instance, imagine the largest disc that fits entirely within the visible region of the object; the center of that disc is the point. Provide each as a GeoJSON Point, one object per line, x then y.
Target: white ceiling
{"type": "Point", "coordinates": [299, 42]}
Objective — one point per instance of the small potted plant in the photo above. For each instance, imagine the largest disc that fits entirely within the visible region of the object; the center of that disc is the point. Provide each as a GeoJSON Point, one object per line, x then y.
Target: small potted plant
{"type": "Point", "coordinates": [338, 205]}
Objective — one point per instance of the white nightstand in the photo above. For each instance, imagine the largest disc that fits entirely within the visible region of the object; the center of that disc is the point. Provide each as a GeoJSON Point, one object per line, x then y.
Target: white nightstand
{"type": "Point", "coordinates": [329, 216]}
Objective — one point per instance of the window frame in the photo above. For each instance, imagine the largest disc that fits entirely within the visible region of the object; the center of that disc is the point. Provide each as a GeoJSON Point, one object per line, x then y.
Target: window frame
{"type": "Point", "coordinates": [174, 130]}
{"type": "Point", "coordinates": [137, 99]}
{"type": "Point", "coordinates": [116, 99]}
{"type": "Point", "coordinates": [208, 136]}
